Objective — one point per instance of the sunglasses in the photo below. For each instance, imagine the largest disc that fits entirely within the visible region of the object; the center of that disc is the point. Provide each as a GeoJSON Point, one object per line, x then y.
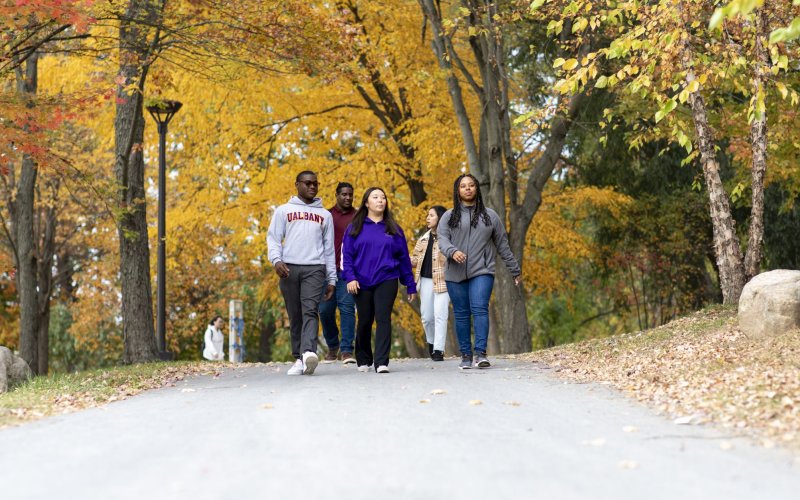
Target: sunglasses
{"type": "Point", "coordinates": [309, 183]}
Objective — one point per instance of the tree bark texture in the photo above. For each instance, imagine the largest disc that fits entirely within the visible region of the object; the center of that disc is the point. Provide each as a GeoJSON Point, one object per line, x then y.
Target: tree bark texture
{"type": "Point", "coordinates": [24, 233]}
{"type": "Point", "coordinates": [136, 53]}
{"type": "Point", "coordinates": [726, 244]}
{"type": "Point", "coordinates": [758, 140]}
{"type": "Point", "coordinates": [46, 238]}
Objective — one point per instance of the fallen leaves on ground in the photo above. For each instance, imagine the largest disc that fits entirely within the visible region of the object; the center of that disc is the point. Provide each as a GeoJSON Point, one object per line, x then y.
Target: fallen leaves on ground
{"type": "Point", "coordinates": [698, 369]}
{"type": "Point", "coordinates": [59, 393]}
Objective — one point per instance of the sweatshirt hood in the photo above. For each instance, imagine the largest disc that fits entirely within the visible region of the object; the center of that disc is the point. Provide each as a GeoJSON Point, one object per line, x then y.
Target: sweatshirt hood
{"type": "Point", "coordinates": [296, 200]}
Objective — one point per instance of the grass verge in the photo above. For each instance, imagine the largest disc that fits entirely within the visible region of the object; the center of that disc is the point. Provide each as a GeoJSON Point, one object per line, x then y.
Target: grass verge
{"type": "Point", "coordinates": [698, 369]}
{"type": "Point", "coordinates": [65, 393]}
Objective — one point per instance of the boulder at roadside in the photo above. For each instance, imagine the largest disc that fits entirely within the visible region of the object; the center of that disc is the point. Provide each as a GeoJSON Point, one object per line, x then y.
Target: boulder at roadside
{"type": "Point", "coordinates": [770, 304]}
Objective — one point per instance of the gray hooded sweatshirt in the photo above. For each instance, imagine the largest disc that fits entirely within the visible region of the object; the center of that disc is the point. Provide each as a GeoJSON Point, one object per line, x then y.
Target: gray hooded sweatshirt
{"type": "Point", "coordinates": [478, 243]}
{"type": "Point", "coordinates": [302, 234]}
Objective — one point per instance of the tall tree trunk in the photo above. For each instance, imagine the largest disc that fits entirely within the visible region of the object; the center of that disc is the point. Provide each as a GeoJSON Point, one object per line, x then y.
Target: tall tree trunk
{"type": "Point", "coordinates": [442, 47]}
{"type": "Point", "coordinates": [758, 139]}
{"type": "Point", "coordinates": [726, 244]}
{"type": "Point", "coordinates": [47, 243]}
{"type": "Point", "coordinates": [136, 53]}
{"type": "Point", "coordinates": [492, 159]}
{"type": "Point", "coordinates": [24, 232]}
{"type": "Point", "coordinates": [413, 349]}
{"type": "Point", "coordinates": [267, 334]}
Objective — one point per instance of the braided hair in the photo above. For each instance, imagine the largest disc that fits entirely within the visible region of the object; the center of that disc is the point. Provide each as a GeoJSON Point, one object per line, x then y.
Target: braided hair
{"type": "Point", "coordinates": [480, 209]}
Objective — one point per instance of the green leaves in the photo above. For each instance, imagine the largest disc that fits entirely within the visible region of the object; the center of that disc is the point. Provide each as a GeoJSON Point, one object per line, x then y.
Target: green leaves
{"type": "Point", "coordinates": [785, 34]}
{"type": "Point", "coordinates": [666, 108]}
{"type": "Point", "coordinates": [535, 5]}
{"type": "Point", "coordinates": [743, 7]}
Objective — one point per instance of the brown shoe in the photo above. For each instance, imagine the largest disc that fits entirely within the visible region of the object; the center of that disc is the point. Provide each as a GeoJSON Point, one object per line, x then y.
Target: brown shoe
{"type": "Point", "coordinates": [348, 358]}
{"type": "Point", "coordinates": [332, 356]}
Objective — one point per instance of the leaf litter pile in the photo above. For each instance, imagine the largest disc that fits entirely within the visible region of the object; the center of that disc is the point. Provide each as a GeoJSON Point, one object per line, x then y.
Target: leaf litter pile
{"type": "Point", "coordinates": [60, 393]}
{"type": "Point", "coordinates": [698, 369]}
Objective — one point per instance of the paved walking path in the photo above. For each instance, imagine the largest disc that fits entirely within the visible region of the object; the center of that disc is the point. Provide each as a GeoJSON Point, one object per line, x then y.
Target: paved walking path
{"type": "Point", "coordinates": [256, 433]}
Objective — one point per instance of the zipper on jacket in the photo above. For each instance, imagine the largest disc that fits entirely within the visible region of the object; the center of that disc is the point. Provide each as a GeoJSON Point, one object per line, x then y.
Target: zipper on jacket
{"type": "Point", "coordinates": [469, 241]}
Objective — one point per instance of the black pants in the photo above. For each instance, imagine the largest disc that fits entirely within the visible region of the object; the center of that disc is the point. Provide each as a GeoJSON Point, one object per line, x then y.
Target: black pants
{"type": "Point", "coordinates": [375, 305]}
{"type": "Point", "coordinates": [302, 292]}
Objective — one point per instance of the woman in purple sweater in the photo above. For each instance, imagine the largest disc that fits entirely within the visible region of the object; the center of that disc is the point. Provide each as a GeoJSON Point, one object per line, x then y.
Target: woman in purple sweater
{"type": "Point", "coordinates": [374, 257]}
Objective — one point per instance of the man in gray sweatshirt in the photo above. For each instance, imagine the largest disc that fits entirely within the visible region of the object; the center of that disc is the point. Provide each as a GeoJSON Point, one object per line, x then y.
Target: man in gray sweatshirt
{"type": "Point", "coordinates": [300, 248]}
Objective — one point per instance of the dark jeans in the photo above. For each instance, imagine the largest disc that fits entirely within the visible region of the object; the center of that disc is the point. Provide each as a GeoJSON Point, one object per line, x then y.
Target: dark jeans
{"type": "Point", "coordinates": [302, 292]}
{"type": "Point", "coordinates": [375, 305]}
{"type": "Point", "coordinates": [471, 298]}
{"type": "Point", "coordinates": [347, 315]}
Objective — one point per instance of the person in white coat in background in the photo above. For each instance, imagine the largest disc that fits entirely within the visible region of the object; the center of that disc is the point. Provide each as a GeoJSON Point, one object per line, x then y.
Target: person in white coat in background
{"type": "Point", "coordinates": [214, 340]}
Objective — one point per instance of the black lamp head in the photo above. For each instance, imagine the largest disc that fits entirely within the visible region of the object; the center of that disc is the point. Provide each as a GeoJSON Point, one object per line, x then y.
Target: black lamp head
{"type": "Point", "coordinates": [163, 111]}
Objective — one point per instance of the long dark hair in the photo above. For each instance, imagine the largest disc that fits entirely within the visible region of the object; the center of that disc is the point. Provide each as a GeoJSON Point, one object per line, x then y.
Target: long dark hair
{"type": "Point", "coordinates": [215, 320]}
{"type": "Point", "coordinates": [440, 210]}
{"type": "Point", "coordinates": [480, 209]}
{"type": "Point", "coordinates": [361, 215]}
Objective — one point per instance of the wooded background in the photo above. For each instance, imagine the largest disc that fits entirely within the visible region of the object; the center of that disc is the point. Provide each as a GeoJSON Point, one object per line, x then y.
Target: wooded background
{"type": "Point", "coordinates": [645, 156]}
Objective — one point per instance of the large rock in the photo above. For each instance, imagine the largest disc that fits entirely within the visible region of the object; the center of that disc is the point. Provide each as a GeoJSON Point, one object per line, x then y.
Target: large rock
{"type": "Point", "coordinates": [13, 370]}
{"type": "Point", "coordinates": [770, 304]}
{"type": "Point", "coordinates": [6, 360]}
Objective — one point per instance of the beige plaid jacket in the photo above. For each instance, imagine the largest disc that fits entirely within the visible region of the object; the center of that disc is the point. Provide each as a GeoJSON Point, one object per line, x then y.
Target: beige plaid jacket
{"type": "Point", "coordinates": [438, 262]}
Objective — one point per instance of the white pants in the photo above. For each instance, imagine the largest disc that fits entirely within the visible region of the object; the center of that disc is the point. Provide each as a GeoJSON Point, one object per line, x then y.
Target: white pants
{"type": "Point", "coordinates": [433, 307]}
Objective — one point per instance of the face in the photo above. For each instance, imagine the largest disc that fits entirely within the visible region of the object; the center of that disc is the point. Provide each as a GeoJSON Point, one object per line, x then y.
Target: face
{"type": "Point", "coordinates": [345, 198]}
{"type": "Point", "coordinates": [218, 323]}
{"type": "Point", "coordinates": [432, 219]}
{"type": "Point", "coordinates": [376, 202]}
{"type": "Point", "coordinates": [467, 189]}
{"type": "Point", "coordinates": [307, 187]}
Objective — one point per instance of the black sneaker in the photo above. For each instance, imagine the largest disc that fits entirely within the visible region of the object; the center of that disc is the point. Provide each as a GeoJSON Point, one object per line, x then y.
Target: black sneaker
{"type": "Point", "coordinates": [481, 361]}
{"type": "Point", "coordinates": [437, 356]}
{"type": "Point", "coordinates": [466, 362]}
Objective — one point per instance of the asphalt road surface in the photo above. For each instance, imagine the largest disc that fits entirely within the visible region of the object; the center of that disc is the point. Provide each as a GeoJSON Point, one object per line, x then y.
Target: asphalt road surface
{"type": "Point", "coordinates": [424, 431]}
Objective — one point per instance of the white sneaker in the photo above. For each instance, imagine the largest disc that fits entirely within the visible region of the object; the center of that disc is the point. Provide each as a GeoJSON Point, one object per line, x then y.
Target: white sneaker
{"type": "Point", "coordinates": [310, 362]}
{"type": "Point", "coordinates": [383, 369]}
{"type": "Point", "coordinates": [364, 368]}
{"type": "Point", "coordinates": [296, 368]}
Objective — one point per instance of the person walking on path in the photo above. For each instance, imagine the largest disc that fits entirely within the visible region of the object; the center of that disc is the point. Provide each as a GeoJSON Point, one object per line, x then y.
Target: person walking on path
{"type": "Point", "coordinates": [374, 257]}
{"type": "Point", "coordinates": [469, 235]}
{"type": "Point", "coordinates": [300, 248]}
{"type": "Point", "coordinates": [214, 340]}
{"type": "Point", "coordinates": [428, 263]}
{"type": "Point", "coordinates": [342, 213]}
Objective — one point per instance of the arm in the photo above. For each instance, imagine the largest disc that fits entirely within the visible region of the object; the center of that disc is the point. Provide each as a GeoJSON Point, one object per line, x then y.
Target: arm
{"type": "Point", "coordinates": [275, 234]}
{"type": "Point", "coordinates": [500, 239]}
{"type": "Point", "coordinates": [330, 251]}
{"type": "Point", "coordinates": [406, 274]}
{"type": "Point", "coordinates": [348, 254]}
{"type": "Point", "coordinates": [443, 231]}
{"type": "Point", "coordinates": [209, 342]}
{"type": "Point", "coordinates": [415, 255]}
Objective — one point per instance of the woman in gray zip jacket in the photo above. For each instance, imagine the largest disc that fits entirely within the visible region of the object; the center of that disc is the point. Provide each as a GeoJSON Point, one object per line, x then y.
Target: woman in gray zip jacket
{"type": "Point", "coordinates": [469, 235]}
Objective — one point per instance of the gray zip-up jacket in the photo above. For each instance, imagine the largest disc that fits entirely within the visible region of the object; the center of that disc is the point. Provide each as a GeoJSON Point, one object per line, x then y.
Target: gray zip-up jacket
{"type": "Point", "coordinates": [478, 243]}
{"type": "Point", "coordinates": [302, 234]}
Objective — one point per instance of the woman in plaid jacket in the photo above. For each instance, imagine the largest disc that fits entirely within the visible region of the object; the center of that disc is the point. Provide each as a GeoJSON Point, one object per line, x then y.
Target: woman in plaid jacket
{"type": "Point", "coordinates": [428, 263]}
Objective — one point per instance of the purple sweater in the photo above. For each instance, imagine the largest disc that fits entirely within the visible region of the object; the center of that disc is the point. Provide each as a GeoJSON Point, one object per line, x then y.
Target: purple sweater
{"type": "Point", "coordinates": [373, 257]}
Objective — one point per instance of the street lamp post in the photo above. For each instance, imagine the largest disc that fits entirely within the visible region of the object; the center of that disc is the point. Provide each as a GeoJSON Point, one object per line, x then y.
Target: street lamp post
{"type": "Point", "coordinates": [162, 112]}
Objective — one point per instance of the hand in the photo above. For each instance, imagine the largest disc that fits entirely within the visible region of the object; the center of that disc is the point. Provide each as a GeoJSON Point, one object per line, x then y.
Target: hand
{"type": "Point", "coordinates": [329, 292]}
{"type": "Point", "coordinates": [517, 280]}
{"type": "Point", "coordinates": [411, 297]}
{"type": "Point", "coordinates": [282, 269]}
{"type": "Point", "coordinates": [352, 287]}
{"type": "Point", "coordinates": [460, 257]}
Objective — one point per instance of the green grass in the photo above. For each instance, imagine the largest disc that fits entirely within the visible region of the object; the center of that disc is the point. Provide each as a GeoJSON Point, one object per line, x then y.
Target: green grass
{"type": "Point", "coordinates": [62, 393]}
